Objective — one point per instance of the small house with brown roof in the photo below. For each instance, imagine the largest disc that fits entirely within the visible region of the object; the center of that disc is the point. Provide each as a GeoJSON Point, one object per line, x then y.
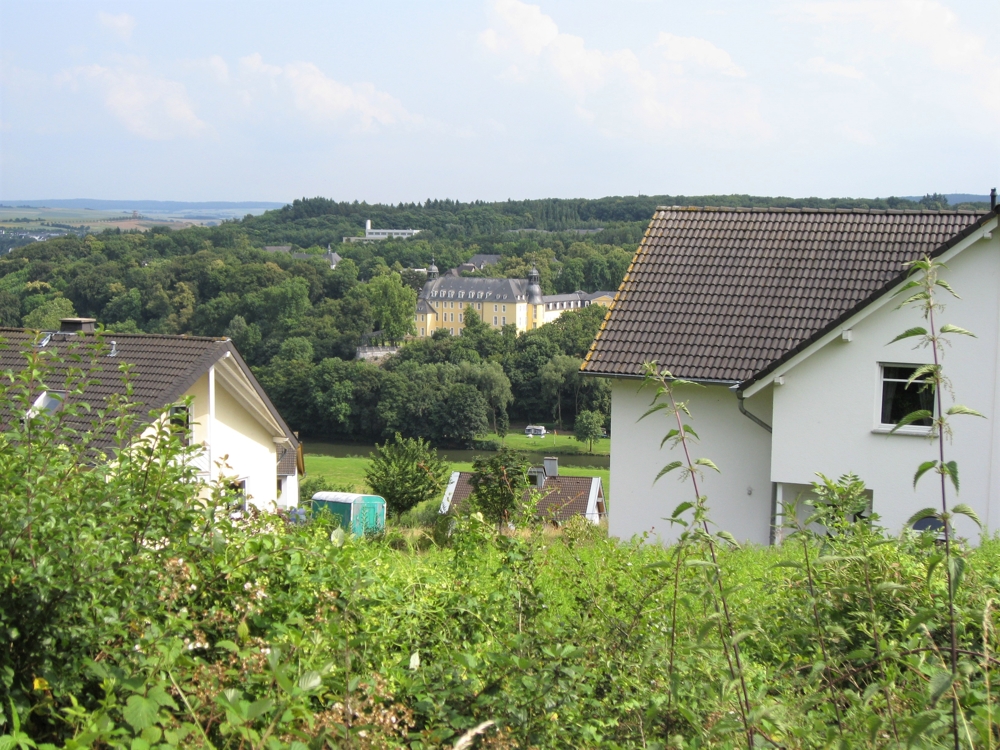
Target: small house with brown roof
{"type": "Point", "coordinates": [561, 497]}
{"type": "Point", "coordinates": [229, 414]}
{"type": "Point", "coordinates": [782, 319]}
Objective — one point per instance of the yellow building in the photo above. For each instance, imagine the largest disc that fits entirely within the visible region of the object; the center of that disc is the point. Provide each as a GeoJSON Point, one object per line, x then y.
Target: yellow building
{"type": "Point", "coordinates": [444, 302]}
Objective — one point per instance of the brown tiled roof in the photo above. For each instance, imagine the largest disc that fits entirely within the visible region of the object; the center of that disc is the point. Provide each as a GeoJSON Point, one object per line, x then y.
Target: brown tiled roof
{"type": "Point", "coordinates": [562, 497]}
{"type": "Point", "coordinates": [722, 294]}
{"type": "Point", "coordinates": [163, 367]}
{"type": "Point", "coordinates": [286, 460]}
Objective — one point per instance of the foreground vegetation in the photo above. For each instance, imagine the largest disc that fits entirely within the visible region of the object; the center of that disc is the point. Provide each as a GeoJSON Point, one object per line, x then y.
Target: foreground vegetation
{"type": "Point", "coordinates": [139, 616]}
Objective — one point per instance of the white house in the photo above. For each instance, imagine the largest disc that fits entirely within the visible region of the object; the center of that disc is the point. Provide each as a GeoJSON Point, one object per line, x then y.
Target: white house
{"type": "Point", "coordinates": [229, 414]}
{"type": "Point", "coordinates": [376, 235]}
{"type": "Point", "coordinates": [557, 304]}
{"type": "Point", "coordinates": [784, 317]}
{"type": "Point", "coordinates": [560, 497]}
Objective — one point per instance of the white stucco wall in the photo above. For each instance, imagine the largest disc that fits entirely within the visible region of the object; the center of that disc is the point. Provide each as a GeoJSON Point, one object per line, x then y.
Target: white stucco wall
{"type": "Point", "coordinates": [825, 411]}
{"type": "Point", "coordinates": [740, 448]}
{"type": "Point", "coordinates": [199, 409]}
{"type": "Point", "coordinates": [251, 449]}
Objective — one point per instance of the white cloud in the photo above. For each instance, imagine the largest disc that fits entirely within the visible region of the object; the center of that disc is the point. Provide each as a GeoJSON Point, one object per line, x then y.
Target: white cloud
{"type": "Point", "coordinates": [925, 35]}
{"type": "Point", "coordinates": [824, 66]}
{"type": "Point", "coordinates": [121, 24]}
{"type": "Point", "coordinates": [698, 52]}
{"type": "Point", "coordinates": [682, 84]}
{"type": "Point", "coordinates": [219, 68]}
{"type": "Point", "coordinates": [325, 100]}
{"type": "Point", "coordinates": [149, 106]}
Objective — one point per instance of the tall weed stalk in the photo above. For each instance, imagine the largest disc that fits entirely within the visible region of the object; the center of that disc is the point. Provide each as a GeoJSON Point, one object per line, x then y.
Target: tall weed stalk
{"type": "Point", "coordinates": [683, 436]}
{"type": "Point", "coordinates": [922, 290]}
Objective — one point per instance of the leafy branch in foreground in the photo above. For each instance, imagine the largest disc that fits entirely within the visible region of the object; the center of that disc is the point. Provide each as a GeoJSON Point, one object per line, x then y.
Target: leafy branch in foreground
{"type": "Point", "coordinates": [684, 436]}
{"type": "Point", "coordinates": [921, 291]}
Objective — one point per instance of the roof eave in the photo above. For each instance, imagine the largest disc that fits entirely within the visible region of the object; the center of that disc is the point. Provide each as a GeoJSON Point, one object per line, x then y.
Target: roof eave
{"type": "Point", "coordinates": [631, 376]}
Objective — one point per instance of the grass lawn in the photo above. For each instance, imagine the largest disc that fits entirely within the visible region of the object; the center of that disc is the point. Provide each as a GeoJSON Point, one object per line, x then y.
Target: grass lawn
{"type": "Point", "coordinates": [563, 444]}
{"type": "Point", "coordinates": [351, 471]}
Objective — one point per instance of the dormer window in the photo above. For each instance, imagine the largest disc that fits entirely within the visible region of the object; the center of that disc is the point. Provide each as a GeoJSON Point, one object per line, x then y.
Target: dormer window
{"type": "Point", "coordinates": [49, 402]}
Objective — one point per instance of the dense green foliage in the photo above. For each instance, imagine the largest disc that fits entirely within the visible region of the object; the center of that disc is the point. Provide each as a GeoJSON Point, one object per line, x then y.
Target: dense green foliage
{"type": "Point", "coordinates": [406, 471]}
{"type": "Point", "coordinates": [498, 484]}
{"type": "Point", "coordinates": [137, 616]}
{"type": "Point", "coordinates": [589, 426]}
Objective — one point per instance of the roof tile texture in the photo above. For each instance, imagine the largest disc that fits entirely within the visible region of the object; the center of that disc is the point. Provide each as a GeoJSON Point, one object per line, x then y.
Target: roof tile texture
{"type": "Point", "coordinates": [562, 497]}
{"type": "Point", "coordinates": [163, 366]}
{"type": "Point", "coordinates": [719, 294]}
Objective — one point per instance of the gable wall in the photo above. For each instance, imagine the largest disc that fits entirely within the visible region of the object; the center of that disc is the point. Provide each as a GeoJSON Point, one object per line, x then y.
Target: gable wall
{"type": "Point", "coordinates": [199, 409]}
{"type": "Point", "coordinates": [825, 411]}
{"type": "Point", "coordinates": [251, 449]}
{"type": "Point", "coordinates": [740, 448]}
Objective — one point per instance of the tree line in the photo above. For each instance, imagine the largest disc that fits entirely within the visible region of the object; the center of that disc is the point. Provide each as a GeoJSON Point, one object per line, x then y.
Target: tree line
{"type": "Point", "coordinates": [448, 389]}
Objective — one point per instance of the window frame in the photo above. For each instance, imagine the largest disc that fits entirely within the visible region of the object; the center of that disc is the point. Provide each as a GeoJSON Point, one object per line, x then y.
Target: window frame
{"type": "Point", "coordinates": [182, 430]}
{"type": "Point", "coordinates": [883, 428]}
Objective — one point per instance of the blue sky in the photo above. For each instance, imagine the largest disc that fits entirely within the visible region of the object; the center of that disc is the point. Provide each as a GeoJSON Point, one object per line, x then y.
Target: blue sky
{"type": "Point", "coordinates": [400, 101]}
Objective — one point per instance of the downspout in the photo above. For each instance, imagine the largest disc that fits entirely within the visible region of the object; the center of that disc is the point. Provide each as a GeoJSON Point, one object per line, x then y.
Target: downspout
{"type": "Point", "coordinates": [748, 415]}
{"type": "Point", "coordinates": [773, 532]}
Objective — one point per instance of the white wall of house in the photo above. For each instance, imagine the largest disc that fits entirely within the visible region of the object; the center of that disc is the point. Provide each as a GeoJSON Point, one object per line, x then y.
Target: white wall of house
{"type": "Point", "coordinates": [289, 495]}
{"type": "Point", "coordinates": [739, 496]}
{"type": "Point", "coordinates": [250, 446]}
{"type": "Point", "coordinates": [828, 406]}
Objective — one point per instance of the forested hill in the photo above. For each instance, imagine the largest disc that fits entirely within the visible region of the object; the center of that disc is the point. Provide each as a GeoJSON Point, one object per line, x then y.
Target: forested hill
{"type": "Point", "coordinates": [320, 221]}
{"type": "Point", "coordinates": [298, 321]}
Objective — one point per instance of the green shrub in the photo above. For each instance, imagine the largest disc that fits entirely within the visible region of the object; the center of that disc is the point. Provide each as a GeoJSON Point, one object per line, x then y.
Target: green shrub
{"type": "Point", "coordinates": [487, 444]}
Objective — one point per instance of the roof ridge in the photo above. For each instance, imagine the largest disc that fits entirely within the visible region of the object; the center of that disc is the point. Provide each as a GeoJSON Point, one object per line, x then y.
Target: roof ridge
{"type": "Point", "coordinates": [172, 336]}
{"type": "Point", "coordinates": [810, 210]}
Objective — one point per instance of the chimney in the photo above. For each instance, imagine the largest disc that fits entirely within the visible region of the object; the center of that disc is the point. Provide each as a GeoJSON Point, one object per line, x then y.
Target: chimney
{"type": "Point", "coordinates": [993, 199]}
{"type": "Point", "coordinates": [77, 325]}
{"type": "Point", "coordinates": [551, 464]}
{"type": "Point", "coordinates": [368, 227]}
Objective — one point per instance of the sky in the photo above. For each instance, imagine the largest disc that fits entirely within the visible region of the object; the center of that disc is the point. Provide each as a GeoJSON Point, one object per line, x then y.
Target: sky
{"type": "Point", "coordinates": [402, 101]}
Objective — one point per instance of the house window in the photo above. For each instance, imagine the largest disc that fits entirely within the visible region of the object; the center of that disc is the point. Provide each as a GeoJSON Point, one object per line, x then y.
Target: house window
{"type": "Point", "coordinates": [898, 399]}
{"type": "Point", "coordinates": [504, 320]}
{"type": "Point", "coordinates": [180, 423]}
{"type": "Point", "coordinates": [495, 308]}
{"type": "Point", "coordinates": [505, 308]}
{"type": "Point", "coordinates": [494, 320]}
{"type": "Point", "coordinates": [236, 494]}
{"type": "Point", "coordinates": [460, 317]}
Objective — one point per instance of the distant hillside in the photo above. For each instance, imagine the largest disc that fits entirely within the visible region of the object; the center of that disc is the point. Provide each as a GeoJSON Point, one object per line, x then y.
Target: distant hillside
{"type": "Point", "coordinates": [956, 198]}
{"type": "Point", "coordinates": [131, 205]}
{"type": "Point", "coordinates": [320, 221]}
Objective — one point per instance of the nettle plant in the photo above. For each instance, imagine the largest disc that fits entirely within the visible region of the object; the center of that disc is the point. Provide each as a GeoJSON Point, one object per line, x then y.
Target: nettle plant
{"type": "Point", "coordinates": [697, 535]}
{"type": "Point", "coordinates": [934, 336]}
